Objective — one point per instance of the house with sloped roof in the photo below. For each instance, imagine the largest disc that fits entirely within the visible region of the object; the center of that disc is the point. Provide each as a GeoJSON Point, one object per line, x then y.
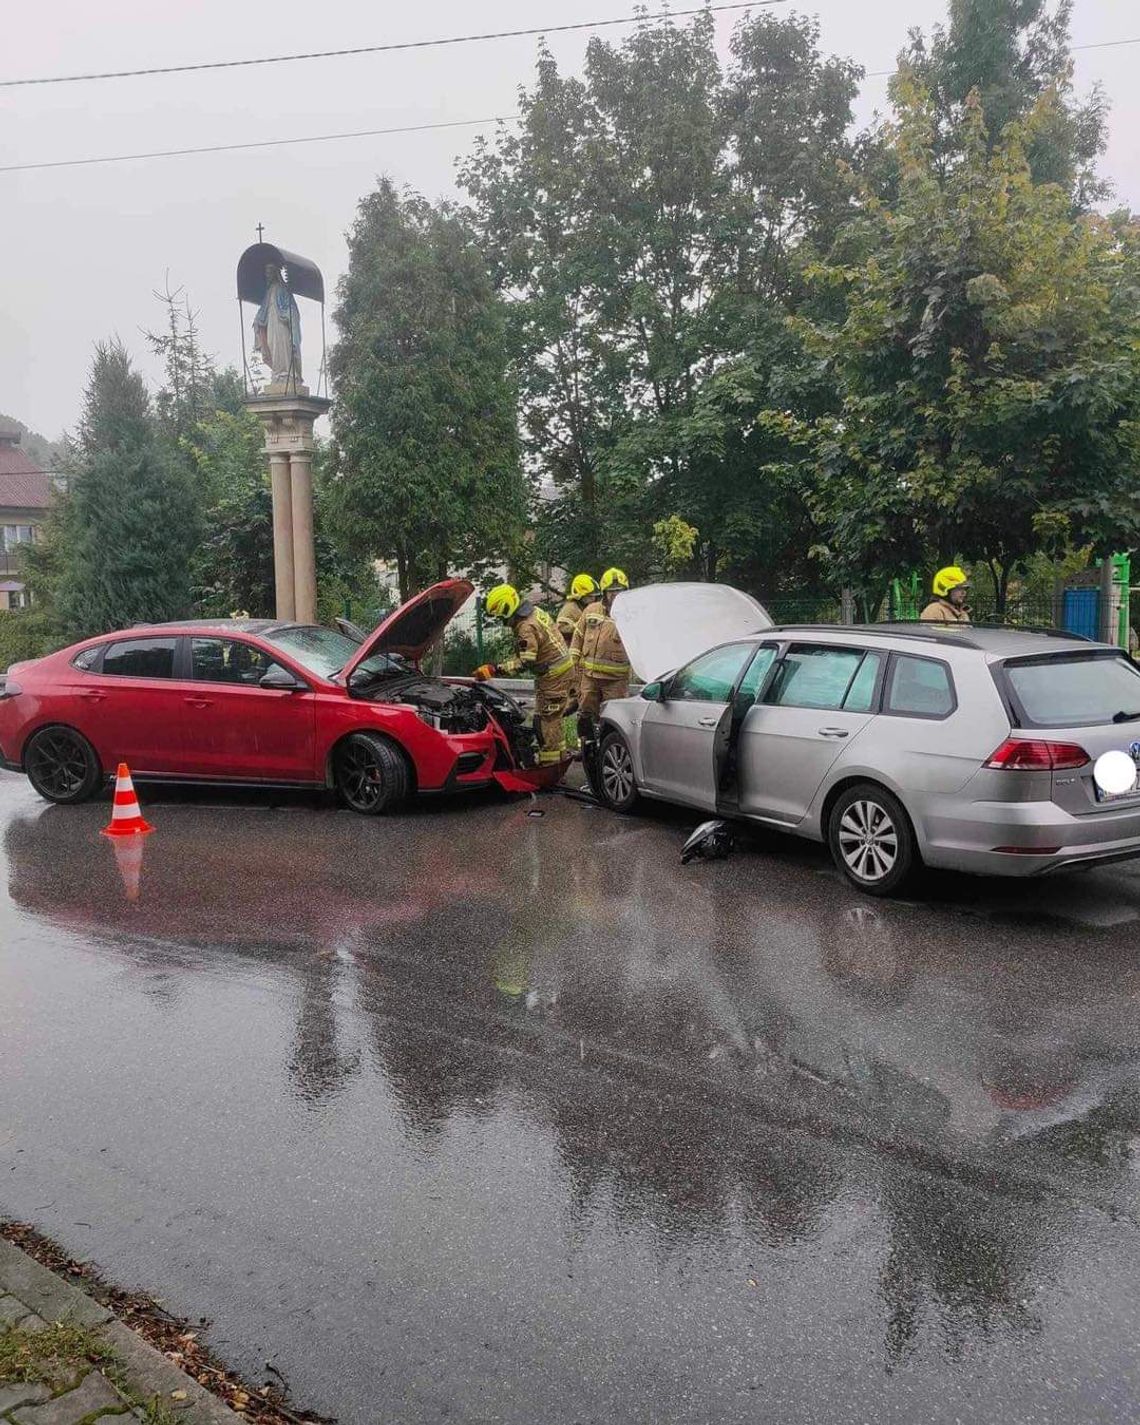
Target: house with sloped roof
{"type": "Point", "coordinates": [26, 492]}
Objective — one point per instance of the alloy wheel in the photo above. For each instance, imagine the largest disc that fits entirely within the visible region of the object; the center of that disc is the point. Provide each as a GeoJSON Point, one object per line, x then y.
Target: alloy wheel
{"type": "Point", "coordinates": [361, 776]}
{"type": "Point", "coordinates": [58, 764]}
{"type": "Point", "coordinates": [617, 773]}
{"type": "Point", "coordinates": [868, 840]}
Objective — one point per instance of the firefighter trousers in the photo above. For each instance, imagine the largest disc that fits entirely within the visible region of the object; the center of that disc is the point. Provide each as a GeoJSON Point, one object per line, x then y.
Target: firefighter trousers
{"type": "Point", "coordinates": [551, 699]}
{"type": "Point", "coordinates": [594, 691]}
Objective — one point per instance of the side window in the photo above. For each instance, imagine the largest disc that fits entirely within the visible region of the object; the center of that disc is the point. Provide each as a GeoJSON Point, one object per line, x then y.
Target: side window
{"type": "Point", "coordinates": [711, 677]}
{"type": "Point", "coordinates": [815, 677]}
{"type": "Point", "coordinates": [228, 660]}
{"type": "Point", "coordinates": [861, 694]}
{"type": "Point", "coordinates": [753, 680]}
{"type": "Point", "coordinates": [141, 658]}
{"type": "Point", "coordinates": [919, 687]}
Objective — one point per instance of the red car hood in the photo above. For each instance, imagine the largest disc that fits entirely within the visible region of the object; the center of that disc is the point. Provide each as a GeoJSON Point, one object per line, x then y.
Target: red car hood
{"type": "Point", "coordinates": [415, 626]}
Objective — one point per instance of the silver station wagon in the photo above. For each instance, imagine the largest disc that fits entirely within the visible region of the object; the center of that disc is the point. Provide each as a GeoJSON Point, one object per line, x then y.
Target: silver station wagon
{"type": "Point", "coordinates": [969, 748]}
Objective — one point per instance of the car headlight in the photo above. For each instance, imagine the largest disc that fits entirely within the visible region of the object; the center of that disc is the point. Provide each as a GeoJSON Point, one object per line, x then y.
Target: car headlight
{"type": "Point", "coordinates": [430, 718]}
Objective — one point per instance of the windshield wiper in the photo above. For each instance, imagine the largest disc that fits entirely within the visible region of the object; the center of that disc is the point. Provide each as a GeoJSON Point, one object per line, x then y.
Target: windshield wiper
{"type": "Point", "coordinates": [1126, 717]}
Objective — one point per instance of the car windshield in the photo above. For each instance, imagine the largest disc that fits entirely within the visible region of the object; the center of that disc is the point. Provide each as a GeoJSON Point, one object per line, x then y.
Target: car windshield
{"type": "Point", "coordinates": [1074, 690]}
{"type": "Point", "coordinates": [324, 651]}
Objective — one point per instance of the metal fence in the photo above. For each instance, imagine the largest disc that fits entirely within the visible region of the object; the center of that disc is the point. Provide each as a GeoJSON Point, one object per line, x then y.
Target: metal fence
{"type": "Point", "coordinates": [826, 608]}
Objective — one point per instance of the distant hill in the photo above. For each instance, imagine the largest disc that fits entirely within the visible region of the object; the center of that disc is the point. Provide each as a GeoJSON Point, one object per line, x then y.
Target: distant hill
{"type": "Point", "coordinates": [44, 452]}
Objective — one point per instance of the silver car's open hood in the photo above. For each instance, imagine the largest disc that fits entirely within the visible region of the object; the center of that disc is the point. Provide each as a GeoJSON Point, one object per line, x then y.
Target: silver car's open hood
{"type": "Point", "coordinates": [664, 626]}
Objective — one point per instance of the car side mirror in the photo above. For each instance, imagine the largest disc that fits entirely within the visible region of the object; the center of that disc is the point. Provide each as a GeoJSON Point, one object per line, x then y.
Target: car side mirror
{"type": "Point", "coordinates": [654, 692]}
{"type": "Point", "coordinates": [280, 680]}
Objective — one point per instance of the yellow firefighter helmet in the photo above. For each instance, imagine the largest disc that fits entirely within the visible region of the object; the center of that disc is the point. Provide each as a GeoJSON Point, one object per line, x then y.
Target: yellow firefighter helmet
{"type": "Point", "coordinates": [503, 601]}
{"type": "Point", "coordinates": [583, 586]}
{"type": "Point", "coordinates": [949, 578]}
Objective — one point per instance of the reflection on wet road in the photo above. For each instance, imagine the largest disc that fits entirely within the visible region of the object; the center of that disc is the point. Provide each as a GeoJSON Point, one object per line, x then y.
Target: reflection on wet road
{"type": "Point", "coordinates": [488, 1116]}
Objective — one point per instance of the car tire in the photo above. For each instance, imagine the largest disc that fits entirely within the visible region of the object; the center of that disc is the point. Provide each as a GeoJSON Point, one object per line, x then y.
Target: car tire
{"type": "Point", "coordinates": [616, 779]}
{"type": "Point", "coordinates": [370, 774]}
{"type": "Point", "coordinates": [871, 839]}
{"type": "Point", "coordinates": [62, 766]}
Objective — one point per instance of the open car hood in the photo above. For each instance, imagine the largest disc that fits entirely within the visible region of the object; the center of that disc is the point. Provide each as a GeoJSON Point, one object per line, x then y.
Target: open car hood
{"type": "Point", "coordinates": [415, 626]}
{"type": "Point", "coordinates": [665, 626]}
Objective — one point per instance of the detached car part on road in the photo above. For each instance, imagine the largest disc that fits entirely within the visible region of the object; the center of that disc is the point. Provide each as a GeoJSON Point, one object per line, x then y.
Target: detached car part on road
{"type": "Point", "coordinates": [265, 702]}
{"type": "Point", "coordinates": [971, 749]}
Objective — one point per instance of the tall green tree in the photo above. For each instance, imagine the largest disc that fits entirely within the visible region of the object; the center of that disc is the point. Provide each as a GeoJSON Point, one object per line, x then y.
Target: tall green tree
{"type": "Point", "coordinates": [427, 472]}
{"type": "Point", "coordinates": [649, 221]}
{"type": "Point", "coordinates": [1011, 53]}
{"type": "Point", "coordinates": [988, 359]}
{"type": "Point", "coordinates": [121, 539]}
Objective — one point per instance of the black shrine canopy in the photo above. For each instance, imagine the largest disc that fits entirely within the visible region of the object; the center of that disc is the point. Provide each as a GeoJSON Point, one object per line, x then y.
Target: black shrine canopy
{"type": "Point", "coordinates": [304, 277]}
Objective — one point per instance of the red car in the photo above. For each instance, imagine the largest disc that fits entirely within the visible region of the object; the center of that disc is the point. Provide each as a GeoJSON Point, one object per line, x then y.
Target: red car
{"type": "Point", "coordinates": [267, 703]}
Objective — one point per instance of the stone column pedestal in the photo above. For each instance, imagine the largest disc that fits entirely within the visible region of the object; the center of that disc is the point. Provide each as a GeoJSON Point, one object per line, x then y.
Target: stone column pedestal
{"type": "Point", "coordinates": [287, 419]}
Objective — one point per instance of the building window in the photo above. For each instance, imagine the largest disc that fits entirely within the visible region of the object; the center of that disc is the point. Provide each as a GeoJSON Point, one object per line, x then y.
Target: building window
{"type": "Point", "coordinates": [15, 534]}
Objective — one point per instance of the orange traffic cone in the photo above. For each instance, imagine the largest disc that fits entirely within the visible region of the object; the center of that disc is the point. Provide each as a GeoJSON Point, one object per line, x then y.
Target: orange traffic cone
{"type": "Point", "coordinates": [126, 818]}
{"type": "Point", "coordinates": [129, 859]}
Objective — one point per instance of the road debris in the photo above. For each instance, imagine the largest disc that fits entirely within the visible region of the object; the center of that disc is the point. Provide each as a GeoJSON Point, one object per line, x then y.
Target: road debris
{"type": "Point", "coordinates": [712, 841]}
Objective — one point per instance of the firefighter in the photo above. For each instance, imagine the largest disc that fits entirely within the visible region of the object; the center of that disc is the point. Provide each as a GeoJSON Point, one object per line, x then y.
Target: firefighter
{"type": "Point", "coordinates": [539, 649]}
{"type": "Point", "coordinates": [951, 595]}
{"type": "Point", "coordinates": [582, 590]}
{"type": "Point", "coordinates": [597, 650]}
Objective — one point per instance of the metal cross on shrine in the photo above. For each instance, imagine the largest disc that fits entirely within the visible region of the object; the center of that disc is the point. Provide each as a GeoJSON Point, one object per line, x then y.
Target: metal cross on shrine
{"type": "Point", "coordinates": [260, 231]}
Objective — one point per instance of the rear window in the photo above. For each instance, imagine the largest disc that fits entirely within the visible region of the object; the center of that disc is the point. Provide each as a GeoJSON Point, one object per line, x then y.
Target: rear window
{"type": "Point", "coordinates": [141, 658]}
{"type": "Point", "coordinates": [1074, 690]}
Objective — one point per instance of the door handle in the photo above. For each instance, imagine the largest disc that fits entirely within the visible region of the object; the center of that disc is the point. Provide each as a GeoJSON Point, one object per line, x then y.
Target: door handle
{"type": "Point", "coordinates": [833, 732]}
{"type": "Point", "coordinates": [707, 721]}
{"type": "Point", "coordinates": [199, 702]}
{"type": "Point", "coordinates": [93, 697]}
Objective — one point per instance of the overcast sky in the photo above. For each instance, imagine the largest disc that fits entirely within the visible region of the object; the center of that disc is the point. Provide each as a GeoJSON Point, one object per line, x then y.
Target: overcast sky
{"type": "Point", "coordinates": [84, 248]}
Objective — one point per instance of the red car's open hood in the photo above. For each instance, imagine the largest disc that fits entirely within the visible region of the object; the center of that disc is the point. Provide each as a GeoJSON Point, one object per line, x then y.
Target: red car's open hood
{"type": "Point", "coordinates": [415, 626]}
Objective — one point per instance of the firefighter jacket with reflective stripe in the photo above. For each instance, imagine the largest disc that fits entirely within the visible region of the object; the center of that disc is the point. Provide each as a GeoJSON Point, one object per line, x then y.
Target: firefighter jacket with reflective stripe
{"type": "Point", "coordinates": [539, 647]}
{"type": "Point", "coordinates": [568, 617]}
{"type": "Point", "coordinates": [597, 647]}
{"type": "Point", "coordinates": [942, 611]}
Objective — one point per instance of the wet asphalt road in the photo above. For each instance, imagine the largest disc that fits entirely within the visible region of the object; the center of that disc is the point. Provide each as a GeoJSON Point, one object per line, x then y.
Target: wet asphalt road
{"type": "Point", "coordinates": [482, 1115]}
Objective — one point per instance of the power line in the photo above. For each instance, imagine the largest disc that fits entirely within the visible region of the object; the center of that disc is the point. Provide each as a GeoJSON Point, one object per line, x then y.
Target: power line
{"type": "Point", "coordinates": [1098, 44]}
{"type": "Point", "coordinates": [380, 49]}
{"type": "Point", "coordinates": [263, 143]}
{"type": "Point", "coordinates": [376, 133]}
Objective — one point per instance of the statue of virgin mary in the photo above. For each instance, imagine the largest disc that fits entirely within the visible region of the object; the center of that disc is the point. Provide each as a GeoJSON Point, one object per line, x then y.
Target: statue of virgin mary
{"type": "Point", "coordinates": [277, 329]}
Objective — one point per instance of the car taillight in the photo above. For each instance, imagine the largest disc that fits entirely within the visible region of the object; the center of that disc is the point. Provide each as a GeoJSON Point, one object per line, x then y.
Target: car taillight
{"type": "Point", "coordinates": [1017, 754]}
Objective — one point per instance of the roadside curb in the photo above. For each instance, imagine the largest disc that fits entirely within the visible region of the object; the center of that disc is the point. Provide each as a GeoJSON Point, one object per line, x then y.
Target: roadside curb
{"type": "Point", "coordinates": [147, 1374]}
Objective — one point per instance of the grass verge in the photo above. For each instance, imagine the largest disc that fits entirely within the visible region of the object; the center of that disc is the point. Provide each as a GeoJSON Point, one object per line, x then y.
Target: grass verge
{"type": "Point", "coordinates": [54, 1356]}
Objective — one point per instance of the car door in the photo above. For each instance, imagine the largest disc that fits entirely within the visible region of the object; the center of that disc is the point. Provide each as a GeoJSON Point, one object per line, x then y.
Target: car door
{"type": "Point", "coordinates": [132, 706]}
{"type": "Point", "coordinates": [678, 739]}
{"type": "Point", "coordinates": [237, 729]}
{"type": "Point", "coordinates": [818, 701]}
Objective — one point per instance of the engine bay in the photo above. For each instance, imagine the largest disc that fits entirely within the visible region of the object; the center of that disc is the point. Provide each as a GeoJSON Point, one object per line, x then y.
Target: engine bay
{"type": "Point", "coordinates": [453, 707]}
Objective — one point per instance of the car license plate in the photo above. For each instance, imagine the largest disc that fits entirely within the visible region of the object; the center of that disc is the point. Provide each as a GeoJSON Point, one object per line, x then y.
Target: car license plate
{"type": "Point", "coordinates": [1133, 792]}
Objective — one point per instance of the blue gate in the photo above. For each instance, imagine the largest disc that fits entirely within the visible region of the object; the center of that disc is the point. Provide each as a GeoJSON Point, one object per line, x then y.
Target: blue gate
{"type": "Point", "coordinates": [1081, 612]}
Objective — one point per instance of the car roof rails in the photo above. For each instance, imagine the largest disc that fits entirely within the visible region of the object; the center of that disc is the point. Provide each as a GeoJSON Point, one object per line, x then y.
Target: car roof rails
{"type": "Point", "coordinates": [883, 630]}
{"type": "Point", "coordinates": [1047, 630]}
{"type": "Point", "coordinates": [957, 634]}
